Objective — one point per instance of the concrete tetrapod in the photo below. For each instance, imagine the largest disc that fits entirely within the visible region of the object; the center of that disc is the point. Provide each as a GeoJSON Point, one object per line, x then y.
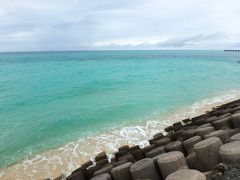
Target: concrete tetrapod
{"type": "Point", "coordinates": [205, 130]}
{"type": "Point", "coordinates": [186, 174]}
{"type": "Point", "coordinates": [162, 142]}
{"type": "Point", "coordinates": [207, 152]}
{"type": "Point", "coordinates": [235, 119]}
{"type": "Point", "coordinates": [144, 169]}
{"type": "Point", "coordinates": [174, 146]}
{"type": "Point", "coordinates": [219, 133]}
{"type": "Point", "coordinates": [105, 176]}
{"type": "Point", "coordinates": [193, 162]}
{"type": "Point", "coordinates": [122, 172]}
{"type": "Point", "coordinates": [171, 162]}
{"type": "Point", "coordinates": [222, 123]}
{"type": "Point", "coordinates": [230, 152]}
{"type": "Point", "coordinates": [155, 152]}
{"type": "Point", "coordinates": [235, 137]}
{"type": "Point", "coordinates": [189, 143]}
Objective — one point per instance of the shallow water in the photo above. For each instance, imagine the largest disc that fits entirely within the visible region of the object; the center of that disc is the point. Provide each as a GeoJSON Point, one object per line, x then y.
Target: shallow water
{"type": "Point", "coordinates": [50, 99]}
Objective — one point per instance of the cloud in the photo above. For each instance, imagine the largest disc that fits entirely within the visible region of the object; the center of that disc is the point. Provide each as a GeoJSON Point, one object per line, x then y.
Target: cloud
{"type": "Point", "coordinates": [31, 25]}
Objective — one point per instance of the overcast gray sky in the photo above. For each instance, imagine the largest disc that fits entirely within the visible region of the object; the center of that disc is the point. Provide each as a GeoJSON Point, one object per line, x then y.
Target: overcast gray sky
{"type": "Point", "coordinates": [38, 25]}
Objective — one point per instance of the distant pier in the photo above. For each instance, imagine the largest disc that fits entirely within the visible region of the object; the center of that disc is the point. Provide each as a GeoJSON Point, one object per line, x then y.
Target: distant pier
{"type": "Point", "coordinates": [232, 50]}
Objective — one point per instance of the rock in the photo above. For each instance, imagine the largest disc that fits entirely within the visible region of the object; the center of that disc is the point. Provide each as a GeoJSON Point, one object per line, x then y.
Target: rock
{"type": "Point", "coordinates": [193, 162]}
{"type": "Point", "coordinates": [105, 176]}
{"type": "Point", "coordinates": [124, 148]}
{"type": "Point", "coordinates": [102, 162]}
{"type": "Point", "coordinates": [155, 152]}
{"type": "Point", "coordinates": [129, 157]}
{"type": "Point", "coordinates": [174, 146]}
{"type": "Point", "coordinates": [230, 152]}
{"type": "Point", "coordinates": [188, 133]}
{"type": "Point", "coordinates": [162, 142]}
{"type": "Point", "coordinates": [186, 174]}
{"type": "Point", "coordinates": [87, 164]}
{"type": "Point", "coordinates": [169, 129]}
{"type": "Point", "coordinates": [235, 137]}
{"type": "Point", "coordinates": [138, 154]}
{"type": "Point", "coordinates": [90, 171]}
{"type": "Point", "coordinates": [158, 135]}
{"type": "Point", "coordinates": [235, 119]}
{"type": "Point", "coordinates": [211, 119]}
{"type": "Point", "coordinates": [224, 115]}
{"type": "Point", "coordinates": [148, 148]}
{"type": "Point", "coordinates": [231, 132]}
{"type": "Point", "coordinates": [221, 167]}
{"type": "Point", "coordinates": [171, 162]}
{"type": "Point", "coordinates": [207, 152]}
{"type": "Point", "coordinates": [222, 124]}
{"type": "Point", "coordinates": [203, 131]}
{"type": "Point", "coordinates": [220, 133]}
{"type": "Point", "coordinates": [178, 134]}
{"type": "Point", "coordinates": [186, 120]}
{"type": "Point", "coordinates": [189, 143]}
{"type": "Point", "coordinates": [103, 170]}
{"type": "Point", "coordinates": [100, 156]}
{"type": "Point", "coordinates": [144, 169]}
{"type": "Point", "coordinates": [77, 174]}
{"type": "Point", "coordinates": [204, 125]}
{"type": "Point", "coordinates": [120, 154]}
{"type": "Point", "coordinates": [115, 164]}
{"type": "Point", "coordinates": [122, 172]}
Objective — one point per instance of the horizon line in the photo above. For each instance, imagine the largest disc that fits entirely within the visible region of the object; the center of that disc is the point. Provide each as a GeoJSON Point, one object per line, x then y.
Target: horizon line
{"type": "Point", "coordinates": [39, 51]}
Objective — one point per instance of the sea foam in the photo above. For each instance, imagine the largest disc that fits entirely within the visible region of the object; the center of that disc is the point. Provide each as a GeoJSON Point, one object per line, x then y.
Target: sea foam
{"type": "Point", "coordinates": [67, 158]}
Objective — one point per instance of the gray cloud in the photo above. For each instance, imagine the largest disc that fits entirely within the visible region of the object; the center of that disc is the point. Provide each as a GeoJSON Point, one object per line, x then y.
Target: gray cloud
{"type": "Point", "coordinates": [30, 25]}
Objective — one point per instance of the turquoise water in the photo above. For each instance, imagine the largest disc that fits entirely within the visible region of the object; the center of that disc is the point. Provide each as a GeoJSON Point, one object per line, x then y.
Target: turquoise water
{"type": "Point", "coordinates": [48, 99]}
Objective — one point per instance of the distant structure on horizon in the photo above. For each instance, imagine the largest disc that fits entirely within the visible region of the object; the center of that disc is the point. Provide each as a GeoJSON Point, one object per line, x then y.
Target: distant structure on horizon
{"type": "Point", "coordinates": [232, 50]}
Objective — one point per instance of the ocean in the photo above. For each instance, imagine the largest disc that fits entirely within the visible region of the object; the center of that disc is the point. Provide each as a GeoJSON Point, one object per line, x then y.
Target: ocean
{"type": "Point", "coordinates": [55, 104]}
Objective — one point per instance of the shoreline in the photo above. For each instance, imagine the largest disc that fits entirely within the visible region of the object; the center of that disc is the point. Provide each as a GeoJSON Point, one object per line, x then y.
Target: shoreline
{"type": "Point", "coordinates": [50, 163]}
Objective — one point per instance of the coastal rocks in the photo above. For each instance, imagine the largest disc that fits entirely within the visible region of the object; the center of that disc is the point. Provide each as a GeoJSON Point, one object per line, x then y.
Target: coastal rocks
{"type": "Point", "coordinates": [225, 172]}
{"type": "Point", "coordinates": [122, 172]}
{"type": "Point", "coordinates": [155, 152]}
{"type": "Point", "coordinates": [235, 137]}
{"type": "Point", "coordinates": [123, 148]}
{"type": "Point", "coordinates": [148, 148]}
{"type": "Point", "coordinates": [174, 146]}
{"type": "Point", "coordinates": [162, 142]}
{"type": "Point", "coordinates": [222, 124]}
{"type": "Point", "coordinates": [188, 133]}
{"type": "Point", "coordinates": [235, 119]}
{"type": "Point", "coordinates": [230, 152]}
{"type": "Point", "coordinates": [137, 153]}
{"type": "Point", "coordinates": [169, 129]}
{"type": "Point", "coordinates": [77, 174]}
{"type": "Point", "coordinates": [171, 162]}
{"type": "Point", "coordinates": [207, 152]}
{"type": "Point", "coordinates": [105, 169]}
{"type": "Point", "coordinates": [105, 176]}
{"type": "Point", "coordinates": [100, 156]}
{"type": "Point", "coordinates": [205, 130]}
{"type": "Point", "coordinates": [193, 162]}
{"type": "Point", "coordinates": [186, 174]}
{"type": "Point", "coordinates": [220, 133]}
{"type": "Point", "coordinates": [164, 157]}
{"type": "Point", "coordinates": [144, 169]}
{"type": "Point", "coordinates": [189, 143]}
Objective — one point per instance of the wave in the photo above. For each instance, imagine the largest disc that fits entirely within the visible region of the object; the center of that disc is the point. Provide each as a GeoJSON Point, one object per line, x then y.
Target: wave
{"type": "Point", "coordinates": [67, 158]}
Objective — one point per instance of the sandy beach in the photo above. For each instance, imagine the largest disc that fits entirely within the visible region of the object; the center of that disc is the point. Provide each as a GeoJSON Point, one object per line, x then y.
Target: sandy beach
{"type": "Point", "coordinates": [64, 160]}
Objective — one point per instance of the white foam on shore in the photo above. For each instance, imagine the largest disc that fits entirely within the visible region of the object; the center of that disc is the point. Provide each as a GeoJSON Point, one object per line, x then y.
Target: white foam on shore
{"type": "Point", "coordinates": [67, 158]}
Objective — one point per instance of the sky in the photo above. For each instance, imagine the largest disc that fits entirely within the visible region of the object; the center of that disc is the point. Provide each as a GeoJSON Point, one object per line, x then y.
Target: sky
{"type": "Point", "coordinates": [62, 25]}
